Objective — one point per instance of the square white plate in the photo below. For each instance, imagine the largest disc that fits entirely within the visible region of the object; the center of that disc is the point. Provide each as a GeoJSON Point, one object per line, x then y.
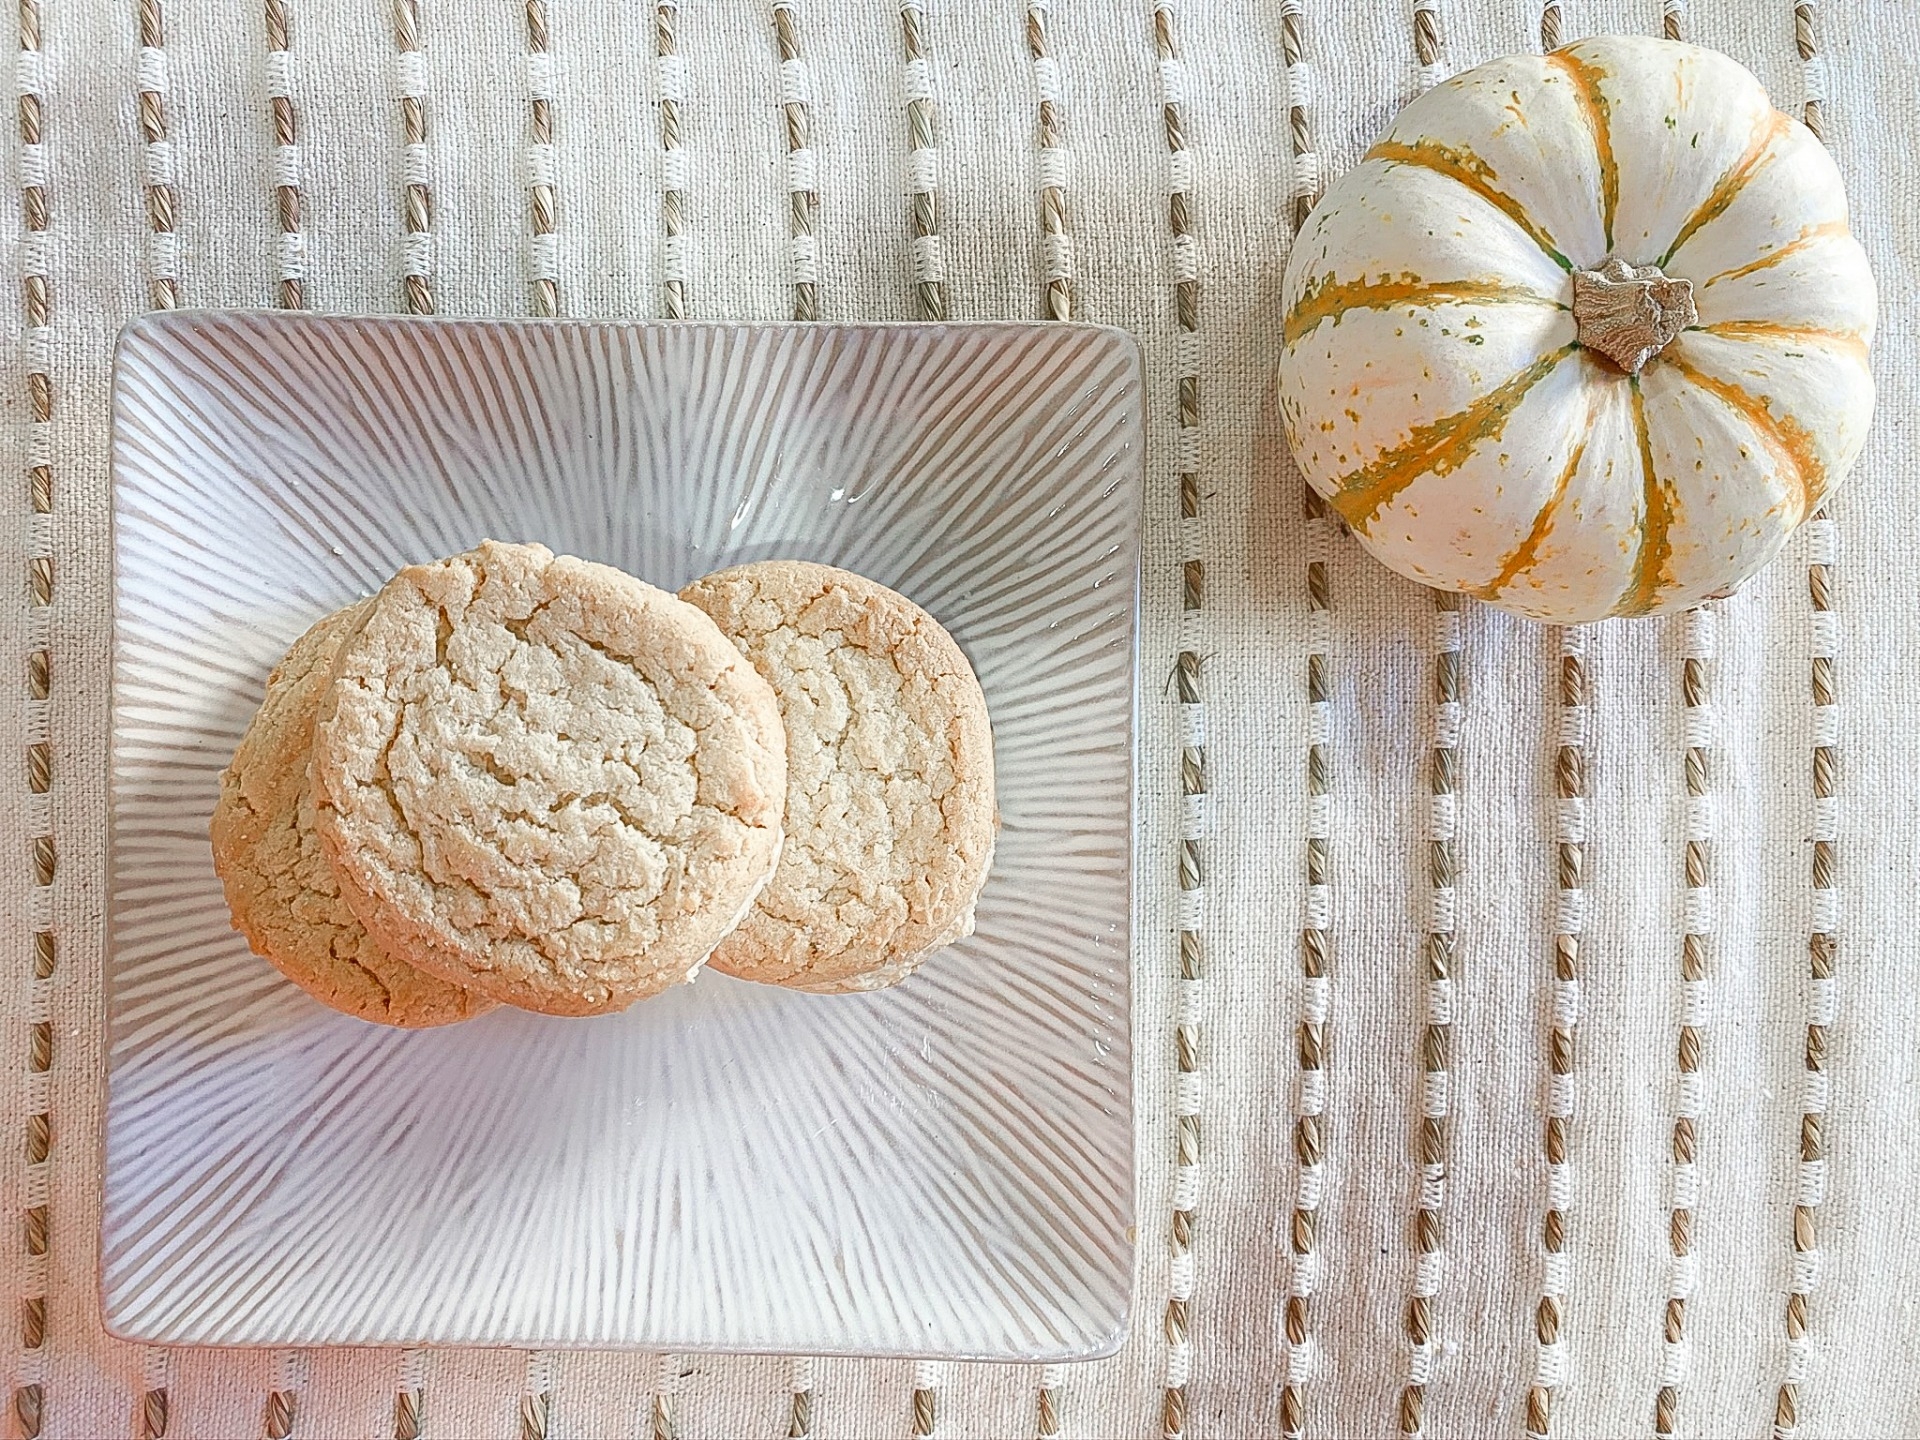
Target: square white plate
{"type": "Point", "coordinates": [941, 1169]}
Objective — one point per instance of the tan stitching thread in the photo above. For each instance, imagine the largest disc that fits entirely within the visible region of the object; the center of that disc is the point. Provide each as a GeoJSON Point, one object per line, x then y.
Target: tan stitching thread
{"type": "Point", "coordinates": [1299, 76]}
{"type": "Point", "coordinates": [1316, 929]}
{"type": "Point", "coordinates": [1690, 1044]}
{"type": "Point", "coordinates": [666, 1387]}
{"type": "Point", "coordinates": [283, 1400]}
{"type": "Point", "coordinates": [926, 1388]}
{"type": "Point", "coordinates": [800, 1410]}
{"type": "Point", "coordinates": [1570, 840]}
{"type": "Point", "coordinates": [1056, 238]}
{"type": "Point", "coordinates": [163, 250]}
{"type": "Point", "coordinates": [543, 254]}
{"type": "Point", "coordinates": [533, 1415]}
{"type": "Point", "coordinates": [672, 72]}
{"type": "Point", "coordinates": [1427, 42]}
{"type": "Point", "coordinates": [29, 1390]}
{"type": "Point", "coordinates": [803, 182]}
{"type": "Point", "coordinates": [1822, 937]}
{"type": "Point", "coordinates": [1046, 1418]}
{"type": "Point", "coordinates": [1438, 953]}
{"type": "Point", "coordinates": [1431, 1130]}
{"type": "Point", "coordinates": [292, 293]}
{"type": "Point", "coordinates": [536, 1397]}
{"type": "Point", "coordinates": [416, 220]}
{"type": "Point", "coordinates": [410, 1396]}
{"type": "Point", "coordinates": [1315, 948]}
{"type": "Point", "coordinates": [923, 169]}
{"type": "Point", "coordinates": [1806, 40]}
{"type": "Point", "coordinates": [1056, 232]}
{"type": "Point", "coordinates": [155, 1412]}
{"type": "Point", "coordinates": [1822, 994]}
{"type": "Point", "coordinates": [1570, 787]}
{"type": "Point", "coordinates": [1673, 18]}
{"type": "Point", "coordinates": [1193, 717]}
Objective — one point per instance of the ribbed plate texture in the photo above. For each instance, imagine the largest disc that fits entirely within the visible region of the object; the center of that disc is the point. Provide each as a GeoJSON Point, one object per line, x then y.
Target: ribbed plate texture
{"type": "Point", "coordinates": [942, 1169]}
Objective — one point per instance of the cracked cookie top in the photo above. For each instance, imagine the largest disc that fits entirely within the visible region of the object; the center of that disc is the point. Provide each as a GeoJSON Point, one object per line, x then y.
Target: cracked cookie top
{"type": "Point", "coordinates": [546, 779]}
{"type": "Point", "coordinates": [890, 808]}
{"type": "Point", "coordinates": [279, 885]}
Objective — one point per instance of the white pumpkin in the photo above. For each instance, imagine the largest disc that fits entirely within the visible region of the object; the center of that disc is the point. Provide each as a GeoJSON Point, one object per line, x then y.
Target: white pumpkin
{"type": "Point", "coordinates": [1584, 335]}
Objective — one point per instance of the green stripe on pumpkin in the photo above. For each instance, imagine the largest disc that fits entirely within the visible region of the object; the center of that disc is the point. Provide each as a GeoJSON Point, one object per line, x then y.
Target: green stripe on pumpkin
{"type": "Point", "coordinates": [1597, 111]}
{"type": "Point", "coordinates": [1852, 342]}
{"type": "Point", "coordinates": [1652, 567]}
{"type": "Point", "coordinates": [1728, 187]}
{"type": "Point", "coordinates": [1468, 169]}
{"type": "Point", "coordinates": [1440, 447]}
{"type": "Point", "coordinates": [1812, 235]}
{"type": "Point", "coordinates": [1527, 554]}
{"type": "Point", "coordinates": [1330, 299]}
{"type": "Point", "coordinates": [1791, 447]}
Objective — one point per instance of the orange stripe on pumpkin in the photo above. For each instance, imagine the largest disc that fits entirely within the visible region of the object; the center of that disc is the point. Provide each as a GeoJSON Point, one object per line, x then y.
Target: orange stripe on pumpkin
{"type": "Point", "coordinates": [1440, 447]}
{"type": "Point", "coordinates": [1468, 169]}
{"type": "Point", "coordinates": [1791, 446]}
{"type": "Point", "coordinates": [1332, 299]}
{"type": "Point", "coordinates": [1597, 111]}
{"type": "Point", "coordinates": [1527, 555]}
{"type": "Point", "coordinates": [1651, 567]}
{"type": "Point", "coordinates": [1851, 341]}
{"type": "Point", "coordinates": [1812, 235]}
{"type": "Point", "coordinates": [1728, 187]}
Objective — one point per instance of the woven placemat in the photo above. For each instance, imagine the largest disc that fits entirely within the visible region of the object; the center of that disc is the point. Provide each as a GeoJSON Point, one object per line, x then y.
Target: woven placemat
{"type": "Point", "coordinates": [1492, 1070]}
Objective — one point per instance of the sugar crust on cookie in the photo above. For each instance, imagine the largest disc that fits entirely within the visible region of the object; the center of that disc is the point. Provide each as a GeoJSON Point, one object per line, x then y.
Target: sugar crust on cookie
{"type": "Point", "coordinates": [546, 778]}
{"type": "Point", "coordinates": [890, 808]}
{"type": "Point", "coordinates": [280, 887]}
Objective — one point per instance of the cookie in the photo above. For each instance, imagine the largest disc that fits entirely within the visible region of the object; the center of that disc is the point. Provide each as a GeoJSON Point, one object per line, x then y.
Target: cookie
{"type": "Point", "coordinates": [280, 887]}
{"type": "Point", "coordinates": [547, 780]}
{"type": "Point", "coordinates": [890, 809]}
{"type": "Point", "coordinates": [894, 970]}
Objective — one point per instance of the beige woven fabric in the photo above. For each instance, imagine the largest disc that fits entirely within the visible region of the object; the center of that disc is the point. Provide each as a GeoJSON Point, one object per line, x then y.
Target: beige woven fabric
{"type": "Point", "coordinates": [1173, 187]}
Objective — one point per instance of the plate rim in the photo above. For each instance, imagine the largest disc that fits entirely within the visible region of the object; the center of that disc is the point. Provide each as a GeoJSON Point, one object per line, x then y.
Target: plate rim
{"type": "Point", "coordinates": [158, 328]}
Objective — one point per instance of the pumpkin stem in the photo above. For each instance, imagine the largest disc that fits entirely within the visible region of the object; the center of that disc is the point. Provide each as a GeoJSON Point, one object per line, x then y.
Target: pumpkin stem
{"type": "Point", "coordinates": [1629, 313]}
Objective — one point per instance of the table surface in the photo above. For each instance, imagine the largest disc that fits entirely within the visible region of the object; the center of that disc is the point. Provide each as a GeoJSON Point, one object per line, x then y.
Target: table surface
{"type": "Point", "coordinates": [1339, 1146]}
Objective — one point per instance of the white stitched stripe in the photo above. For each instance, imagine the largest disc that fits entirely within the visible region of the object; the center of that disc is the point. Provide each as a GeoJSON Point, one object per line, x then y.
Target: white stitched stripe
{"type": "Point", "coordinates": [676, 170]}
{"type": "Point", "coordinates": [923, 170]}
{"type": "Point", "coordinates": [540, 74]}
{"type": "Point", "coordinates": [416, 253]}
{"type": "Point", "coordinates": [803, 172]}
{"type": "Point", "coordinates": [159, 163]}
{"type": "Point", "coordinates": [539, 1372]}
{"type": "Point", "coordinates": [150, 71]}
{"type": "Point", "coordinates": [929, 260]}
{"type": "Point", "coordinates": [1683, 1179]}
{"type": "Point", "coordinates": [416, 164]}
{"type": "Point", "coordinates": [1821, 549]}
{"type": "Point", "coordinates": [1180, 171]}
{"type": "Point", "coordinates": [673, 77]}
{"type": "Point", "coordinates": [919, 80]}
{"type": "Point", "coordinates": [794, 83]}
